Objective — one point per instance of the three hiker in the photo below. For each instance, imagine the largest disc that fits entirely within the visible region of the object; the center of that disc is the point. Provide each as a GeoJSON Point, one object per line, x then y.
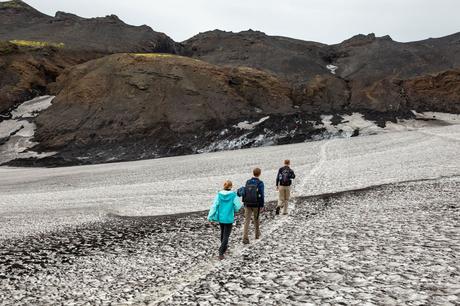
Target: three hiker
{"type": "Point", "coordinates": [227, 203]}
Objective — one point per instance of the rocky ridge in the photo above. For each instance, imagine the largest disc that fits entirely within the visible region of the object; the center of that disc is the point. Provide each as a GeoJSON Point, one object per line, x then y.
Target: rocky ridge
{"type": "Point", "coordinates": [19, 21]}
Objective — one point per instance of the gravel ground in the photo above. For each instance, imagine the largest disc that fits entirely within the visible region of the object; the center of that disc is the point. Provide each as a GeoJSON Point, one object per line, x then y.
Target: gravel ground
{"type": "Point", "coordinates": [388, 245]}
{"type": "Point", "coordinates": [392, 245]}
{"type": "Point", "coordinates": [123, 259]}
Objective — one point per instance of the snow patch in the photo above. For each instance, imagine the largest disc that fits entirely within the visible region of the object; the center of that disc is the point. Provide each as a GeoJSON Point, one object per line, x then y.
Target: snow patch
{"type": "Point", "coordinates": [237, 143]}
{"type": "Point", "coordinates": [19, 130]}
{"type": "Point", "coordinates": [446, 117]}
{"type": "Point", "coordinates": [357, 122]}
{"type": "Point", "coordinates": [347, 127]}
{"type": "Point", "coordinates": [332, 68]}
{"type": "Point", "coordinates": [245, 125]}
{"type": "Point", "coordinates": [8, 127]}
{"type": "Point", "coordinates": [31, 108]}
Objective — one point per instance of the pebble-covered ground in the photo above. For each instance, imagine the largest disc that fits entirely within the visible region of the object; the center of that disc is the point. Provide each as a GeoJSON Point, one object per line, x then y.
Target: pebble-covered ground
{"type": "Point", "coordinates": [389, 245]}
{"type": "Point", "coordinates": [117, 261]}
{"type": "Point", "coordinates": [393, 245]}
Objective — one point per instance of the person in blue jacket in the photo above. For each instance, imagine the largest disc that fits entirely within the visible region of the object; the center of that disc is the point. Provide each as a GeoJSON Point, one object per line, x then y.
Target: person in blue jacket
{"type": "Point", "coordinates": [223, 209]}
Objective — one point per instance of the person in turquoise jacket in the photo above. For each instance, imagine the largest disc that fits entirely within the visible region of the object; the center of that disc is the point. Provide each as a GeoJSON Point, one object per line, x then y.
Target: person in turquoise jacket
{"type": "Point", "coordinates": [222, 211]}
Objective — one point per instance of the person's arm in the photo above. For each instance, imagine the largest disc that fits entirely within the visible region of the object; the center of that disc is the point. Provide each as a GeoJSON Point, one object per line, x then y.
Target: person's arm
{"type": "Point", "coordinates": [292, 174]}
{"type": "Point", "coordinates": [237, 204]}
{"type": "Point", "coordinates": [278, 178]}
{"type": "Point", "coordinates": [213, 210]}
{"type": "Point", "coordinates": [262, 194]}
{"type": "Point", "coordinates": [240, 192]}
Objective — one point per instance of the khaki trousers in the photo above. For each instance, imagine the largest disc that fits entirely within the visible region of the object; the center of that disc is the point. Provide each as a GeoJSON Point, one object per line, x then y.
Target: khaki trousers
{"type": "Point", "coordinates": [283, 197]}
{"type": "Point", "coordinates": [249, 213]}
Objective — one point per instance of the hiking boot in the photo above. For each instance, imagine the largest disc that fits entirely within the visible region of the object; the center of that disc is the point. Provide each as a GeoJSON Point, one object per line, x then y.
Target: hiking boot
{"type": "Point", "coordinates": [277, 212]}
{"type": "Point", "coordinates": [245, 241]}
{"type": "Point", "coordinates": [221, 257]}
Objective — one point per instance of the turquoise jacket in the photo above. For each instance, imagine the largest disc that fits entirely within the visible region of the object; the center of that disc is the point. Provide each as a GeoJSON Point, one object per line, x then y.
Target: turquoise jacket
{"type": "Point", "coordinates": [223, 209]}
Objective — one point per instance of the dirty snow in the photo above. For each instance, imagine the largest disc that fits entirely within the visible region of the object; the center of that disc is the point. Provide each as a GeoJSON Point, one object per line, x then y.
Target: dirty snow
{"type": "Point", "coordinates": [332, 68]}
{"type": "Point", "coordinates": [245, 125]}
{"type": "Point", "coordinates": [187, 183]}
{"type": "Point", "coordinates": [356, 121]}
{"type": "Point", "coordinates": [32, 107]}
{"type": "Point", "coordinates": [89, 234]}
{"type": "Point", "coordinates": [446, 117]}
{"type": "Point", "coordinates": [17, 133]}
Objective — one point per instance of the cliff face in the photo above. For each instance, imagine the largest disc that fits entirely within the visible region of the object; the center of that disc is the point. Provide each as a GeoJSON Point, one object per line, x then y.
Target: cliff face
{"type": "Point", "coordinates": [161, 104]}
{"type": "Point", "coordinates": [26, 72]}
{"type": "Point", "coordinates": [438, 93]}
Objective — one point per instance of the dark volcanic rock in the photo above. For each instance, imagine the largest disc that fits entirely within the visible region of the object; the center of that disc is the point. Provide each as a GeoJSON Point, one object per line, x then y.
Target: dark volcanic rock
{"type": "Point", "coordinates": [370, 70]}
{"type": "Point", "coordinates": [323, 94]}
{"type": "Point", "coordinates": [25, 72]}
{"type": "Point", "coordinates": [375, 66]}
{"type": "Point", "coordinates": [301, 63]}
{"type": "Point", "coordinates": [292, 59]}
{"type": "Point", "coordinates": [155, 103]}
{"type": "Point", "coordinates": [19, 21]}
{"type": "Point", "coordinates": [439, 92]}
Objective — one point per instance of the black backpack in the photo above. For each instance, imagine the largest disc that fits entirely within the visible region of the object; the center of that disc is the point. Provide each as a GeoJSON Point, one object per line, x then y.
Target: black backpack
{"type": "Point", "coordinates": [285, 177]}
{"type": "Point", "coordinates": [251, 194]}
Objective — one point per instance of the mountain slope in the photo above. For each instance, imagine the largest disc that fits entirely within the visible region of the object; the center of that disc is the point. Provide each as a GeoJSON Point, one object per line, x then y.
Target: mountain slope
{"type": "Point", "coordinates": [25, 72]}
{"type": "Point", "coordinates": [361, 73]}
{"type": "Point", "coordinates": [130, 106]}
{"type": "Point", "coordinates": [19, 21]}
{"type": "Point", "coordinates": [289, 58]}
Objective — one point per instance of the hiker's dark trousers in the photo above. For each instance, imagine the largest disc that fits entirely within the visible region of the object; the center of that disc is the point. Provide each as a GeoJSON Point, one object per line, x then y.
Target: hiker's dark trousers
{"type": "Point", "coordinates": [225, 230]}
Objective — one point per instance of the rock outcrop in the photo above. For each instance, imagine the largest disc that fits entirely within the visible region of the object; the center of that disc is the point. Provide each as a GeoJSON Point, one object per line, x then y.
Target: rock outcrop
{"type": "Point", "coordinates": [438, 93]}
{"type": "Point", "coordinates": [25, 72]}
{"type": "Point", "coordinates": [155, 105]}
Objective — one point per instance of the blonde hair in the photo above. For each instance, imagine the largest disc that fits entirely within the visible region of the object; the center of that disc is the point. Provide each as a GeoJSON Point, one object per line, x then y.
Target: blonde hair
{"type": "Point", "coordinates": [228, 185]}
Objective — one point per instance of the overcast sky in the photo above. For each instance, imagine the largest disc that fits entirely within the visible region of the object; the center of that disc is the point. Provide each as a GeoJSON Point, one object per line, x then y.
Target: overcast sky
{"type": "Point", "coordinates": [327, 21]}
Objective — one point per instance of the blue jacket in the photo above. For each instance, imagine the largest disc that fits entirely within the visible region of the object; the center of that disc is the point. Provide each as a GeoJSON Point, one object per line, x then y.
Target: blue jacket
{"type": "Point", "coordinates": [261, 187]}
{"type": "Point", "coordinates": [223, 209]}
